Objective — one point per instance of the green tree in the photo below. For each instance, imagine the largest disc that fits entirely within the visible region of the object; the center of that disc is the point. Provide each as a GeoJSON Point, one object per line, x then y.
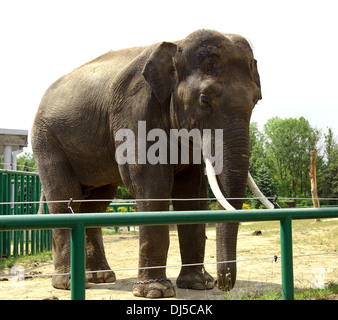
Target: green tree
{"type": "Point", "coordinates": [288, 143]}
{"type": "Point", "coordinates": [265, 181]}
{"type": "Point", "coordinates": [328, 179]}
{"type": "Point", "coordinates": [26, 162]}
{"type": "Point", "coordinates": [330, 144]}
{"type": "Point", "coordinates": [257, 159]}
{"type": "Point", "coordinates": [257, 152]}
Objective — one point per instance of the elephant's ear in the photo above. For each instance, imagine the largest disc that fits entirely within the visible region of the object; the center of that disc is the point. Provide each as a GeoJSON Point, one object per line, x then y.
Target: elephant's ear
{"type": "Point", "coordinates": [160, 71]}
{"type": "Point", "coordinates": [256, 77]}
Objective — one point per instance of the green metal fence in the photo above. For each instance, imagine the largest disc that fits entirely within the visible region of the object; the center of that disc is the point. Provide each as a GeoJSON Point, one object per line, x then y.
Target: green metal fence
{"type": "Point", "coordinates": [79, 222]}
{"type": "Point", "coordinates": [126, 205]}
{"type": "Point", "coordinates": [20, 192]}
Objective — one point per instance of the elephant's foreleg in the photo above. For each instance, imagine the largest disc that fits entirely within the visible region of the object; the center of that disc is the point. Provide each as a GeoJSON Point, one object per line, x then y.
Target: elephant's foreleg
{"type": "Point", "coordinates": [192, 238]}
{"type": "Point", "coordinates": [151, 182]}
{"type": "Point", "coordinates": [153, 282]}
{"type": "Point", "coordinates": [192, 245]}
{"type": "Point", "coordinates": [153, 240]}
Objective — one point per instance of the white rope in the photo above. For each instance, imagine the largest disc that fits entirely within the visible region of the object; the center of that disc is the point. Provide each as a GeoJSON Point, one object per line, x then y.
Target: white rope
{"type": "Point", "coordinates": [166, 266]}
{"type": "Point", "coordinates": [142, 200]}
{"type": "Point", "coordinates": [299, 198]}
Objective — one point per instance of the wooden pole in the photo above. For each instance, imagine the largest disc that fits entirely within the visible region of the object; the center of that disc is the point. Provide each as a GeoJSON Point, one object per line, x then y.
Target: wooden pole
{"type": "Point", "coordinates": [313, 178]}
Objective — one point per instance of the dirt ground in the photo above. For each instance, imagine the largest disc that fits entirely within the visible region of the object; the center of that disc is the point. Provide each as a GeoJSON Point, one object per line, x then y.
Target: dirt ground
{"type": "Point", "coordinates": [122, 252]}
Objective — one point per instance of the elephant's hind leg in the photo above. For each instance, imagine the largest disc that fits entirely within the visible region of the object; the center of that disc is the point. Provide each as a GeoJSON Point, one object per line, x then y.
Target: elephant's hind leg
{"type": "Point", "coordinates": [59, 183]}
{"type": "Point", "coordinates": [95, 254]}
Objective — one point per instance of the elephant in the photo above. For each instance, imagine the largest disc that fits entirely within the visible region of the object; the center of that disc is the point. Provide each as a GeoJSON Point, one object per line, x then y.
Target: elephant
{"type": "Point", "coordinates": [209, 80]}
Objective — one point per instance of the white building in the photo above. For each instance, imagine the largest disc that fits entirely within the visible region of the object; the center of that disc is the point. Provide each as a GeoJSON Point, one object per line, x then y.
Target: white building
{"type": "Point", "coordinates": [12, 142]}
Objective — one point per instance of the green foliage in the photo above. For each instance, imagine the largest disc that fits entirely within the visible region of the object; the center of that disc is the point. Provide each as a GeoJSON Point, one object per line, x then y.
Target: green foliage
{"type": "Point", "coordinates": [331, 145]}
{"type": "Point", "coordinates": [125, 209]}
{"type": "Point", "coordinates": [257, 158]}
{"type": "Point", "coordinates": [264, 180]}
{"type": "Point", "coordinates": [212, 205]}
{"type": "Point", "coordinates": [288, 143]}
{"type": "Point", "coordinates": [122, 193]}
{"type": "Point", "coordinates": [280, 160]}
{"type": "Point", "coordinates": [27, 260]}
{"type": "Point", "coordinates": [265, 183]}
{"type": "Point", "coordinates": [329, 178]}
{"type": "Point", "coordinates": [328, 293]}
{"type": "Point", "coordinates": [26, 162]}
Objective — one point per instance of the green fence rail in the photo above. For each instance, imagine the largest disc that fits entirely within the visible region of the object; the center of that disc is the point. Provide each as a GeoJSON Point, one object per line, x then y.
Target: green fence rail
{"type": "Point", "coordinates": [79, 222]}
{"type": "Point", "coordinates": [21, 190]}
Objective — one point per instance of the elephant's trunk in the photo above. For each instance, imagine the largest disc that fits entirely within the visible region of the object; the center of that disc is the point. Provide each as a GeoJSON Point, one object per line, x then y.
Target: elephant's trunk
{"type": "Point", "coordinates": [232, 183]}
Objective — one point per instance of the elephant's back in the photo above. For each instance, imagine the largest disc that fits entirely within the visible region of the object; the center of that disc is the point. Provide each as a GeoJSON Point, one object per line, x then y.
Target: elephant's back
{"type": "Point", "coordinates": [88, 86]}
{"type": "Point", "coordinates": [99, 73]}
{"type": "Point", "coordinates": [78, 103]}
{"type": "Point", "coordinates": [114, 61]}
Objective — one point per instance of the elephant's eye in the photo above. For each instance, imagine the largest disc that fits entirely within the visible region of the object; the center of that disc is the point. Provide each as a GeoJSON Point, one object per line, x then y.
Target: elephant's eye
{"type": "Point", "coordinates": [205, 101]}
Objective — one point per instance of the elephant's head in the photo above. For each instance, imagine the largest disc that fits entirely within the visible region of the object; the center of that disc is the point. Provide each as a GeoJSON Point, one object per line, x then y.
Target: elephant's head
{"type": "Point", "coordinates": [212, 82]}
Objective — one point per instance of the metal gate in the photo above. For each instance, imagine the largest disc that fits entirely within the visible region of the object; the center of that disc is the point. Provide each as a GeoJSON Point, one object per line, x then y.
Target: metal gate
{"type": "Point", "coordinates": [20, 195]}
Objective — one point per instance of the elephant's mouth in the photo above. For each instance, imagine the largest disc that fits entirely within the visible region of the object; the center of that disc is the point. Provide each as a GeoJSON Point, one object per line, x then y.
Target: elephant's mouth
{"type": "Point", "coordinates": [219, 195]}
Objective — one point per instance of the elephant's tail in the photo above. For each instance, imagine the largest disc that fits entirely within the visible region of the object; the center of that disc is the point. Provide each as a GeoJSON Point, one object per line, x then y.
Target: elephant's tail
{"type": "Point", "coordinates": [41, 205]}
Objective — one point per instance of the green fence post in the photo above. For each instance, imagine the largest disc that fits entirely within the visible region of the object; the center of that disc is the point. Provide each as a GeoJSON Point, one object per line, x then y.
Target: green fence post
{"type": "Point", "coordinates": [8, 212]}
{"type": "Point", "coordinates": [22, 211]}
{"type": "Point", "coordinates": [32, 205]}
{"type": "Point", "coordinates": [28, 211]}
{"type": "Point", "coordinates": [35, 210]}
{"type": "Point", "coordinates": [1, 211]}
{"type": "Point", "coordinates": [15, 212]}
{"type": "Point", "coordinates": [78, 262]}
{"type": "Point", "coordinates": [287, 258]}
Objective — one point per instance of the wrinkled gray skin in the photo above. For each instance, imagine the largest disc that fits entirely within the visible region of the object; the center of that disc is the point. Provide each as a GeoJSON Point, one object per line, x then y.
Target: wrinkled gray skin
{"type": "Point", "coordinates": [208, 80]}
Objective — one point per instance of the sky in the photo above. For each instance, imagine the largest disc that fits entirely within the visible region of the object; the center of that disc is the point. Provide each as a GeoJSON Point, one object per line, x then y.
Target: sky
{"type": "Point", "coordinates": [294, 42]}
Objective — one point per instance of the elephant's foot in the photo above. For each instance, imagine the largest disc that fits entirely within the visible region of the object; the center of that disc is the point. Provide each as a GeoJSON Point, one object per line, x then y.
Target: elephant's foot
{"type": "Point", "coordinates": [101, 277]}
{"type": "Point", "coordinates": [161, 288]}
{"type": "Point", "coordinates": [63, 282]}
{"type": "Point", "coordinates": [100, 264]}
{"type": "Point", "coordinates": [195, 279]}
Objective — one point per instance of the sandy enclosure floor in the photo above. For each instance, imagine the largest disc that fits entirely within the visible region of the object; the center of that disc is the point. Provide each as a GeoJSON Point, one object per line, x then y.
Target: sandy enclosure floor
{"type": "Point", "coordinates": [122, 253]}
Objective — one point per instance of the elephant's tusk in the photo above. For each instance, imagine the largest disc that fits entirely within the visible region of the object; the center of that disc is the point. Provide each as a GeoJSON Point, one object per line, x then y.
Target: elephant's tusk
{"type": "Point", "coordinates": [214, 186]}
{"type": "Point", "coordinates": [253, 187]}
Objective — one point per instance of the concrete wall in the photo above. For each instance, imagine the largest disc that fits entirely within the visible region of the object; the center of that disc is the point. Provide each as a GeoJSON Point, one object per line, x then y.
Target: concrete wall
{"type": "Point", "coordinates": [12, 143]}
